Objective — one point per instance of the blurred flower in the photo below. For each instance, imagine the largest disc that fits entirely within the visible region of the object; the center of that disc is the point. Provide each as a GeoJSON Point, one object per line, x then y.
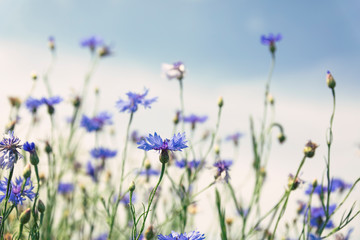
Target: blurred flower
{"type": "Point", "coordinates": [126, 199]}
{"type": "Point", "coordinates": [32, 104]}
{"type": "Point", "coordinates": [175, 70]}
{"type": "Point", "coordinates": [318, 216]}
{"type": "Point", "coordinates": [29, 147]}
{"type": "Point", "coordinates": [96, 123]}
{"type": "Point", "coordinates": [102, 153]}
{"type": "Point", "coordinates": [134, 99]}
{"type": "Point", "coordinates": [65, 188]}
{"type": "Point", "coordinates": [270, 41]}
{"type": "Point", "coordinates": [190, 164]}
{"type": "Point", "coordinates": [177, 143]}
{"type": "Point", "coordinates": [91, 42]}
{"type": "Point", "coordinates": [135, 137]}
{"type": "Point", "coordinates": [91, 171]}
{"type": "Point", "coordinates": [51, 40]}
{"type": "Point", "coordinates": [103, 236]}
{"type": "Point", "coordinates": [309, 149]}
{"type": "Point", "coordinates": [342, 237]}
{"type": "Point", "coordinates": [234, 137]}
{"type": "Point", "coordinates": [16, 195]}
{"type": "Point", "coordinates": [15, 101]}
{"type": "Point", "coordinates": [222, 169]}
{"type": "Point", "coordinates": [193, 119]}
{"type": "Point", "coordinates": [51, 100]}
{"type": "Point", "coordinates": [294, 183]}
{"type": "Point", "coordinates": [194, 235]}
{"type": "Point", "coordinates": [149, 172]}
{"type": "Point", "coordinates": [336, 183]}
{"type": "Point", "coordinates": [105, 51]}
{"type": "Point", "coordinates": [8, 148]}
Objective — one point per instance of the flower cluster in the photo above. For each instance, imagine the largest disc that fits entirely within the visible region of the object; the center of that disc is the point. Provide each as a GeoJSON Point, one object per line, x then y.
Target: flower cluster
{"type": "Point", "coordinates": [135, 99]}
{"type": "Point", "coordinates": [17, 195]}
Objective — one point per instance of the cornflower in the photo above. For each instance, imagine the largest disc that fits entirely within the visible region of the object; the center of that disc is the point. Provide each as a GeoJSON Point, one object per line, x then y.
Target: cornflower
{"type": "Point", "coordinates": [234, 137]}
{"type": "Point", "coordinates": [336, 183]}
{"type": "Point", "coordinates": [96, 123]}
{"type": "Point", "coordinates": [50, 102]}
{"type": "Point", "coordinates": [102, 153]}
{"type": "Point", "coordinates": [91, 42]}
{"type": "Point", "coordinates": [65, 188]}
{"type": "Point", "coordinates": [92, 171]}
{"type": "Point", "coordinates": [16, 195]}
{"type": "Point", "coordinates": [8, 148]}
{"type": "Point", "coordinates": [193, 119]}
{"type": "Point", "coordinates": [30, 147]}
{"type": "Point", "coordinates": [33, 104]}
{"type": "Point", "coordinates": [270, 41]}
{"type": "Point", "coordinates": [175, 70]}
{"type": "Point", "coordinates": [134, 99]}
{"type": "Point", "coordinates": [190, 164]}
{"type": "Point", "coordinates": [222, 169]}
{"type": "Point", "coordinates": [194, 235]}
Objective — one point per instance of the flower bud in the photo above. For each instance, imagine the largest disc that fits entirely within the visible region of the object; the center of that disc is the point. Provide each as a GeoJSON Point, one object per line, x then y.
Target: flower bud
{"type": "Point", "coordinates": [27, 171]}
{"type": "Point", "coordinates": [314, 183]}
{"type": "Point", "coordinates": [150, 233]}
{"type": "Point", "coordinates": [217, 150]}
{"type": "Point", "coordinates": [132, 186]}
{"type": "Point", "coordinates": [330, 80]}
{"type": "Point", "coordinates": [270, 99]}
{"type": "Point", "coordinates": [34, 159]}
{"type": "Point", "coordinates": [281, 138]}
{"type": "Point", "coordinates": [41, 206]}
{"type": "Point", "coordinates": [33, 75]}
{"type": "Point", "coordinates": [293, 183]}
{"type": "Point", "coordinates": [164, 156]}
{"type": "Point", "coordinates": [48, 148]}
{"type": "Point", "coordinates": [229, 221]}
{"type": "Point", "coordinates": [25, 216]}
{"type": "Point", "coordinates": [309, 149]}
{"type": "Point", "coordinates": [220, 102]}
{"type": "Point", "coordinates": [147, 164]}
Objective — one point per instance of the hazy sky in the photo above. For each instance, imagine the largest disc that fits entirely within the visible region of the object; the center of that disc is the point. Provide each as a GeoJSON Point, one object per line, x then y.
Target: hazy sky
{"type": "Point", "coordinates": [219, 41]}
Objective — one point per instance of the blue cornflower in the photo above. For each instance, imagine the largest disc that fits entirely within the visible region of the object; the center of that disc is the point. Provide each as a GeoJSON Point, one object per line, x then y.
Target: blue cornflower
{"type": "Point", "coordinates": [318, 215]}
{"type": "Point", "coordinates": [52, 100]}
{"type": "Point", "coordinates": [29, 147]}
{"type": "Point", "coordinates": [91, 42]}
{"type": "Point", "coordinates": [193, 119]}
{"type": "Point", "coordinates": [103, 236]}
{"type": "Point", "coordinates": [8, 148]}
{"type": "Point", "coordinates": [149, 172]}
{"type": "Point", "coordinates": [91, 171]}
{"type": "Point", "coordinates": [96, 123]}
{"type": "Point", "coordinates": [222, 169]}
{"type": "Point", "coordinates": [33, 104]}
{"type": "Point", "coordinates": [102, 153]}
{"type": "Point", "coordinates": [51, 40]}
{"type": "Point", "coordinates": [190, 164]}
{"type": "Point", "coordinates": [314, 237]}
{"type": "Point", "coordinates": [126, 199]}
{"type": "Point", "coordinates": [175, 70]}
{"type": "Point", "coordinates": [134, 99]}
{"type": "Point", "coordinates": [177, 143]}
{"type": "Point", "coordinates": [336, 183]}
{"type": "Point", "coordinates": [65, 188]}
{"type": "Point", "coordinates": [234, 137]}
{"type": "Point", "coordinates": [16, 196]}
{"type": "Point", "coordinates": [135, 137]}
{"type": "Point", "coordinates": [270, 39]}
{"type": "Point", "coordinates": [194, 235]}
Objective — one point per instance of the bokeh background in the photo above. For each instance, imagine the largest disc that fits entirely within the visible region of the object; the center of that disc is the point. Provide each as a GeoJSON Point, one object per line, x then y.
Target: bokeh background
{"type": "Point", "coordinates": [219, 42]}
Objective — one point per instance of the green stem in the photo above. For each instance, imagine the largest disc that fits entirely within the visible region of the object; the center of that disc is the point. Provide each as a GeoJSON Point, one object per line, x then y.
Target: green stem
{"type": "Point", "coordinates": [182, 104]}
{"type": "Point", "coordinates": [7, 199]}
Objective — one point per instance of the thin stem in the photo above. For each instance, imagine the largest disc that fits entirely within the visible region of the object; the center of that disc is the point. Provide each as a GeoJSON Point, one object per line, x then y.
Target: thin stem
{"type": "Point", "coordinates": [182, 103]}
{"type": "Point", "coordinates": [7, 196]}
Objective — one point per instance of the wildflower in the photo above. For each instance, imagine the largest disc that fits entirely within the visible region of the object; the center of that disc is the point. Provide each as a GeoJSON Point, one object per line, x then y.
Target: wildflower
{"type": "Point", "coordinates": [175, 70]}
{"type": "Point", "coordinates": [96, 123]}
{"type": "Point", "coordinates": [294, 183]}
{"type": "Point", "coordinates": [30, 147]}
{"type": "Point", "coordinates": [336, 183]}
{"type": "Point", "coordinates": [65, 188]}
{"type": "Point", "coordinates": [16, 195]}
{"type": "Point", "coordinates": [91, 171]}
{"type": "Point", "coordinates": [342, 237]}
{"type": "Point", "coordinates": [309, 149]}
{"type": "Point", "coordinates": [102, 153]}
{"type": "Point", "coordinates": [134, 99]}
{"type": "Point", "coordinates": [330, 81]}
{"type": "Point", "coordinates": [51, 43]}
{"type": "Point", "coordinates": [135, 137]}
{"type": "Point", "coordinates": [194, 235]}
{"type": "Point", "coordinates": [191, 164]}
{"type": "Point", "coordinates": [193, 119]}
{"type": "Point", "coordinates": [149, 172]}
{"type": "Point", "coordinates": [8, 148]}
{"type": "Point", "coordinates": [126, 199]}
{"type": "Point", "coordinates": [50, 102]}
{"type": "Point", "coordinates": [91, 42]}
{"type": "Point", "coordinates": [33, 104]}
{"type": "Point", "coordinates": [177, 143]}
{"type": "Point", "coordinates": [103, 236]}
{"type": "Point", "coordinates": [222, 169]}
{"type": "Point", "coordinates": [33, 75]}
{"type": "Point", "coordinates": [234, 137]}
{"type": "Point", "coordinates": [270, 41]}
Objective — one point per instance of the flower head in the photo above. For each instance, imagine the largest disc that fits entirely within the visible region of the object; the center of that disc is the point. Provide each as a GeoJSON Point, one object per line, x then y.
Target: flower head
{"type": "Point", "coordinates": [134, 99]}
{"type": "Point", "coordinates": [309, 149]}
{"type": "Point", "coordinates": [193, 119]}
{"type": "Point", "coordinates": [8, 148]}
{"type": "Point", "coordinates": [234, 137]}
{"type": "Point", "coordinates": [51, 100]}
{"type": "Point", "coordinates": [336, 184]}
{"type": "Point", "coordinates": [33, 104]}
{"type": "Point", "coordinates": [91, 42]}
{"type": "Point", "coordinates": [175, 70]}
{"type": "Point", "coordinates": [177, 143]}
{"type": "Point", "coordinates": [194, 235]}
{"type": "Point", "coordinates": [29, 147]}
{"type": "Point", "coordinates": [318, 215]}
{"type": "Point", "coordinates": [16, 195]}
{"type": "Point", "coordinates": [222, 169]}
{"type": "Point", "coordinates": [190, 164]}
{"type": "Point", "coordinates": [330, 81]}
{"type": "Point", "coordinates": [51, 41]}
{"type": "Point", "coordinates": [270, 41]}
{"type": "Point", "coordinates": [92, 171]}
{"type": "Point", "coordinates": [102, 153]}
{"type": "Point", "coordinates": [96, 123]}
{"type": "Point", "coordinates": [65, 188]}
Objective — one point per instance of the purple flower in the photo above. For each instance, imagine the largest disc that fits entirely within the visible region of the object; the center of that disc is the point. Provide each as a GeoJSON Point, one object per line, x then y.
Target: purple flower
{"type": "Point", "coordinates": [29, 147]}
{"type": "Point", "coordinates": [175, 70]}
{"type": "Point", "coordinates": [52, 100]}
{"type": "Point", "coordinates": [134, 99]}
{"type": "Point", "coordinates": [190, 164]}
{"type": "Point", "coordinates": [193, 119]}
{"type": "Point", "coordinates": [91, 171]}
{"type": "Point", "coordinates": [8, 148]}
{"type": "Point", "coordinates": [91, 42]}
{"type": "Point", "coordinates": [33, 104]}
{"type": "Point", "coordinates": [194, 235]}
{"type": "Point", "coordinates": [135, 137]}
{"type": "Point", "coordinates": [65, 188]}
{"type": "Point", "coordinates": [149, 172]}
{"type": "Point", "coordinates": [103, 236]}
{"type": "Point", "coordinates": [318, 215]}
{"type": "Point", "coordinates": [96, 123]}
{"type": "Point", "coordinates": [270, 39]}
{"type": "Point", "coordinates": [16, 195]}
{"type": "Point", "coordinates": [336, 183]}
{"type": "Point", "coordinates": [102, 153]}
{"type": "Point", "coordinates": [234, 137]}
{"type": "Point", "coordinates": [177, 143]}
{"type": "Point", "coordinates": [222, 169]}
{"type": "Point", "coordinates": [126, 199]}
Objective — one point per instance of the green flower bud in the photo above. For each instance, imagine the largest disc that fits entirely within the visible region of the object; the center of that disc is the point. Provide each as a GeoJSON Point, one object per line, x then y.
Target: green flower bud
{"type": "Point", "coordinates": [132, 186]}
{"type": "Point", "coordinates": [27, 171]}
{"type": "Point", "coordinates": [25, 216]}
{"type": "Point", "coordinates": [220, 102]}
{"type": "Point", "coordinates": [164, 156]}
{"type": "Point", "coordinates": [34, 159]}
{"type": "Point", "coordinates": [41, 206]}
{"type": "Point", "coordinates": [309, 149]}
{"type": "Point", "coordinates": [330, 81]}
{"type": "Point", "coordinates": [281, 138]}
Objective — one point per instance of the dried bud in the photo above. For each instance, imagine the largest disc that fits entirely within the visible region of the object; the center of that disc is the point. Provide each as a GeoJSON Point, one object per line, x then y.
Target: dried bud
{"type": "Point", "coordinates": [229, 221]}
{"type": "Point", "coordinates": [48, 148]}
{"type": "Point", "coordinates": [309, 149]}
{"type": "Point", "coordinates": [330, 80]}
{"type": "Point", "coordinates": [25, 216]}
{"type": "Point", "coordinates": [27, 171]}
{"type": "Point", "coordinates": [293, 183]}
{"type": "Point", "coordinates": [15, 102]}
